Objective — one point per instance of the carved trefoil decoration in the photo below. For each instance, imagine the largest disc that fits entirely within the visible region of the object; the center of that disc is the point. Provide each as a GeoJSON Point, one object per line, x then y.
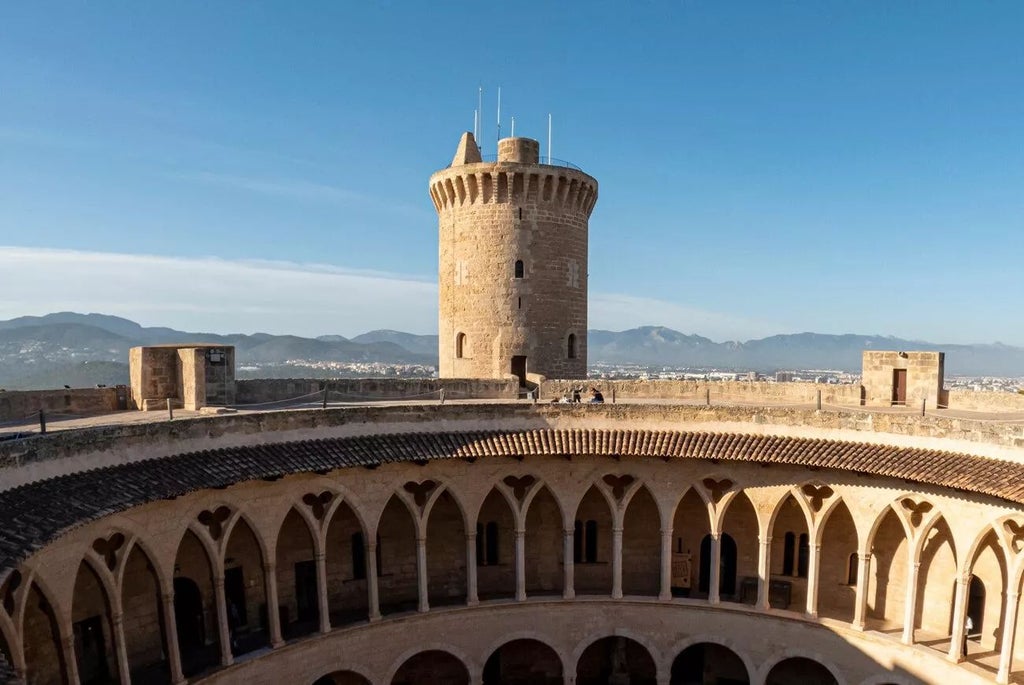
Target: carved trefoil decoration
{"type": "Point", "coordinates": [717, 488]}
{"type": "Point", "coordinates": [318, 503]}
{"type": "Point", "coordinates": [214, 520]}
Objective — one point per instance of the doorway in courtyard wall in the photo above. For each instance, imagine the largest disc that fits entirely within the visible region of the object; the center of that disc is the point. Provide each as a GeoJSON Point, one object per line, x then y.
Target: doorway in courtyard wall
{"type": "Point", "coordinates": [194, 612]}
{"type": "Point", "coordinates": [616, 660]}
{"type": "Point", "coordinates": [519, 369]}
{"type": "Point", "coordinates": [707, 663]}
{"type": "Point", "coordinates": [91, 652]}
{"type": "Point", "coordinates": [523, 662]}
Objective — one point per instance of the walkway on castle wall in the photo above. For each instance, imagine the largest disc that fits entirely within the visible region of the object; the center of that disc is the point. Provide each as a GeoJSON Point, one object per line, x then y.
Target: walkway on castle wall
{"type": "Point", "coordinates": [29, 428]}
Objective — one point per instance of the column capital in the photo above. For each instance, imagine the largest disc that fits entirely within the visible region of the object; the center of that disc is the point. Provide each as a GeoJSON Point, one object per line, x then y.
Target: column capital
{"type": "Point", "coordinates": [471, 536]}
{"type": "Point", "coordinates": [371, 545]}
{"type": "Point", "coordinates": [320, 556]}
{"type": "Point", "coordinates": [666, 533]}
{"type": "Point", "coordinates": [520, 533]}
{"type": "Point", "coordinates": [421, 540]}
{"type": "Point", "coordinates": [864, 556]}
{"type": "Point", "coordinates": [167, 597]}
{"type": "Point", "coordinates": [716, 535]}
{"type": "Point", "coordinates": [218, 581]}
{"type": "Point", "coordinates": [765, 540]}
{"type": "Point", "coordinates": [117, 618]}
{"type": "Point", "coordinates": [269, 566]}
{"type": "Point", "coordinates": [618, 529]}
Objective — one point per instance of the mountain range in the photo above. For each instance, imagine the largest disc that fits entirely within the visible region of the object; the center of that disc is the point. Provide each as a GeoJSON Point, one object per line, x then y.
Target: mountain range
{"type": "Point", "coordinates": [86, 349]}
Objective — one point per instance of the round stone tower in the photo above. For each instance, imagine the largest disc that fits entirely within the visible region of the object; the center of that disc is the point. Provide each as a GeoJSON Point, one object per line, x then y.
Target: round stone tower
{"type": "Point", "coordinates": [513, 263]}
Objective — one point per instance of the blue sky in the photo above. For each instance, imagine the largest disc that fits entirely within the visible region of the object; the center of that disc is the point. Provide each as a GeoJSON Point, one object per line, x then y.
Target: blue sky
{"type": "Point", "coordinates": [764, 167]}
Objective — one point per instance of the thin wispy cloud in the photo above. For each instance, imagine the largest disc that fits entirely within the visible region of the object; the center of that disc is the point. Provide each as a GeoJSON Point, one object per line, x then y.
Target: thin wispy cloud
{"type": "Point", "coordinates": [301, 190]}
{"type": "Point", "coordinates": [217, 295]}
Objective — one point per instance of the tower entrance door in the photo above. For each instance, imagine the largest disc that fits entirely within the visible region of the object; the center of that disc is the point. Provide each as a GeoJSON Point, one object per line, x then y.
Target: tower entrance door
{"type": "Point", "coordinates": [899, 387]}
{"type": "Point", "coordinates": [519, 369]}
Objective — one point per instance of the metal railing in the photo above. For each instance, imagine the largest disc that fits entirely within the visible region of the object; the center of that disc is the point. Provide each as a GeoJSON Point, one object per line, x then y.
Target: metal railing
{"type": "Point", "coordinates": [544, 160]}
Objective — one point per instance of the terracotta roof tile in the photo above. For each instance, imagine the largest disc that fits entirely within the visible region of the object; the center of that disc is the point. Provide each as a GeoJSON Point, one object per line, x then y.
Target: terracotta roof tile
{"type": "Point", "coordinates": [35, 514]}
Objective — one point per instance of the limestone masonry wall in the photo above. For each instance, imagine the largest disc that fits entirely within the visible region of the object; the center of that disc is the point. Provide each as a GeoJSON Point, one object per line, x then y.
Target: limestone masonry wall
{"type": "Point", "coordinates": [19, 404]}
{"type": "Point", "coordinates": [739, 391]}
{"type": "Point", "coordinates": [362, 389]}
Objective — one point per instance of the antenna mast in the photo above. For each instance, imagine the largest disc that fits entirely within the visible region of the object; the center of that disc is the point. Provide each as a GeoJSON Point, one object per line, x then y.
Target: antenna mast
{"type": "Point", "coordinates": [480, 113]}
{"type": "Point", "coordinates": [549, 138]}
{"type": "Point", "coordinates": [499, 115]}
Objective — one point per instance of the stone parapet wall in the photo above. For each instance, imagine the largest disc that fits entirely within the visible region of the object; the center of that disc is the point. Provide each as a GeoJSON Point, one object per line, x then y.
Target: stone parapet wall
{"type": "Point", "coordinates": [740, 391]}
{"type": "Point", "coordinates": [369, 389]}
{"type": "Point", "coordinates": [17, 405]}
{"type": "Point", "coordinates": [65, 452]}
{"type": "Point", "coordinates": [971, 400]}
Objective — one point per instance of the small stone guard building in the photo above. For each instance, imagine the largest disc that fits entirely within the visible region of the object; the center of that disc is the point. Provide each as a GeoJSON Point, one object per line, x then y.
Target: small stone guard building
{"type": "Point", "coordinates": [191, 376]}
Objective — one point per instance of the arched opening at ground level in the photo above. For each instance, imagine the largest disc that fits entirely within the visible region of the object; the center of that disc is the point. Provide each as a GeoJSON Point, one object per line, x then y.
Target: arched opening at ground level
{"type": "Point", "coordinates": [245, 592]}
{"type": "Point", "coordinates": [342, 678]}
{"type": "Point", "coordinates": [523, 662]}
{"type": "Point", "coordinates": [707, 663]}
{"type": "Point", "coordinates": [195, 615]}
{"type": "Point", "coordinates": [44, 660]}
{"type": "Point", "coordinates": [433, 667]}
{"type": "Point", "coordinates": [641, 546]}
{"type": "Point", "coordinates": [616, 660]}
{"type": "Point", "coordinates": [799, 670]}
{"type": "Point", "coordinates": [297, 578]}
{"type": "Point", "coordinates": [145, 642]}
{"type": "Point", "coordinates": [93, 630]}
{"type": "Point", "coordinates": [544, 548]}
{"type": "Point", "coordinates": [346, 564]}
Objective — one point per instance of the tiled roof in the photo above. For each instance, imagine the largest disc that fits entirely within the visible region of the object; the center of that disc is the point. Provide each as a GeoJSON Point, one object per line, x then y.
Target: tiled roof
{"type": "Point", "coordinates": [32, 515]}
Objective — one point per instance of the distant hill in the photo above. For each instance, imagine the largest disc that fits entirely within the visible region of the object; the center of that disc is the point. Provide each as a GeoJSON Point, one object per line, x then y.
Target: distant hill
{"type": "Point", "coordinates": [656, 345]}
{"type": "Point", "coordinates": [50, 351]}
{"type": "Point", "coordinates": [68, 348]}
{"type": "Point", "coordinates": [420, 344]}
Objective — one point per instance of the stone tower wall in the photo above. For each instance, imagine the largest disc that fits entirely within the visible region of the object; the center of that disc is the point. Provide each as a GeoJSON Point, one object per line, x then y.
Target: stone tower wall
{"type": "Point", "coordinates": [490, 215]}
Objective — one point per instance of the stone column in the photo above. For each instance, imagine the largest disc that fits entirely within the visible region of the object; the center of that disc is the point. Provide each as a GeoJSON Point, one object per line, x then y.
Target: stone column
{"type": "Point", "coordinates": [812, 579]}
{"type": "Point", "coordinates": [472, 593]}
{"type": "Point", "coordinates": [956, 634]}
{"type": "Point", "coordinates": [123, 671]}
{"type": "Point", "coordinates": [1009, 631]}
{"type": "Point", "coordinates": [273, 612]}
{"type": "Point", "coordinates": [764, 571]}
{"type": "Point", "coordinates": [372, 591]}
{"type": "Point", "coordinates": [171, 631]}
{"type": "Point", "coordinates": [716, 567]}
{"type": "Point", "coordinates": [910, 608]}
{"type": "Point", "coordinates": [666, 565]}
{"type": "Point", "coordinates": [617, 562]}
{"type": "Point", "coordinates": [67, 645]}
{"type": "Point", "coordinates": [520, 565]}
{"type": "Point", "coordinates": [860, 606]}
{"type": "Point", "coordinates": [223, 630]}
{"type": "Point", "coordinates": [421, 573]}
{"type": "Point", "coordinates": [568, 588]}
{"type": "Point", "coordinates": [321, 592]}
